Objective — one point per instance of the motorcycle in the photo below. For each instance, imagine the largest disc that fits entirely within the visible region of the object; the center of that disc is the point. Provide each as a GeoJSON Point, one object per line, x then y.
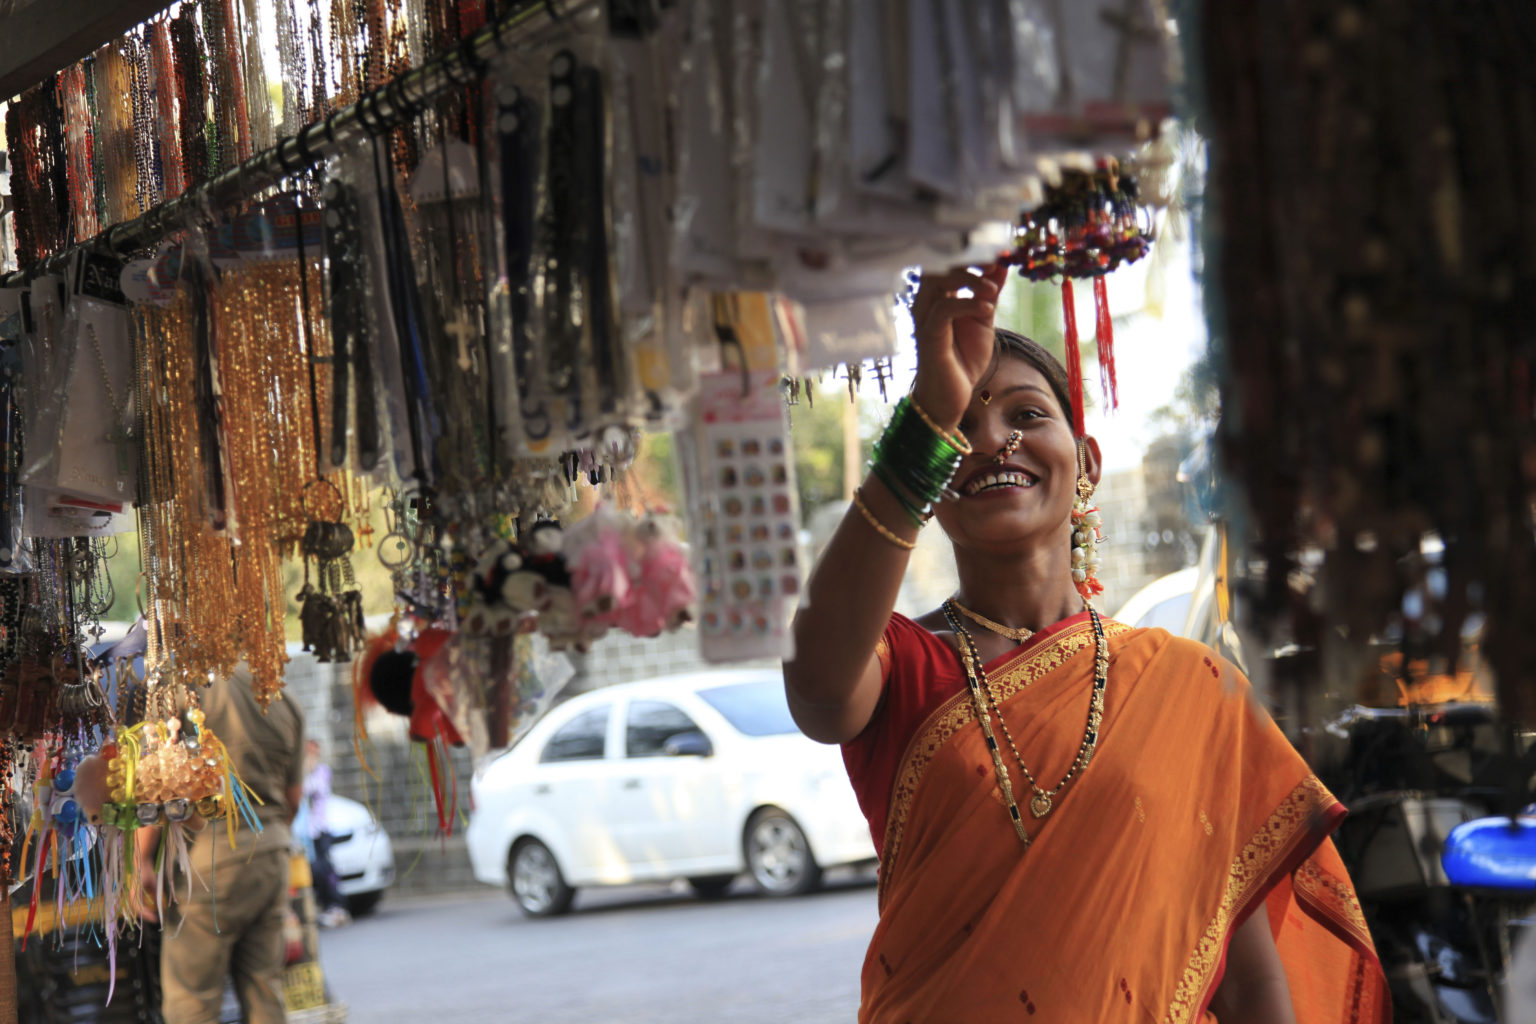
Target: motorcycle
{"type": "Point", "coordinates": [1444, 878]}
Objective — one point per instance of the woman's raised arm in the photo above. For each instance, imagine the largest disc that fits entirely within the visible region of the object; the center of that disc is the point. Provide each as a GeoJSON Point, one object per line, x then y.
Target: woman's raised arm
{"type": "Point", "coordinates": [834, 679]}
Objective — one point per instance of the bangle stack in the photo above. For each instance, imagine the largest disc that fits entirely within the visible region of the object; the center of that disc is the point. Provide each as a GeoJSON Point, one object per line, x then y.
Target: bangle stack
{"type": "Point", "coordinates": [916, 458]}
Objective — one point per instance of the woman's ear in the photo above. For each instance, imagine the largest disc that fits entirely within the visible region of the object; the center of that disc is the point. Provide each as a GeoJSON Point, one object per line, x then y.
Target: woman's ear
{"type": "Point", "coordinates": [1093, 457]}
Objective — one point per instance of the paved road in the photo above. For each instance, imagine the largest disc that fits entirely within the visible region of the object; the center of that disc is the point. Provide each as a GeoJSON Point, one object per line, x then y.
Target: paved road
{"type": "Point", "coordinates": [640, 955]}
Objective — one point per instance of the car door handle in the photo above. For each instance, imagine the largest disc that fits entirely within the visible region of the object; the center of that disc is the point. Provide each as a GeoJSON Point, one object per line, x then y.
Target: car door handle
{"type": "Point", "coordinates": [631, 783]}
{"type": "Point", "coordinates": [542, 789]}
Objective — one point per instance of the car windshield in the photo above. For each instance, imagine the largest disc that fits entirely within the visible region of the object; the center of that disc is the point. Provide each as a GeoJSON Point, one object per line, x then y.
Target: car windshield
{"type": "Point", "coordinates": [755, 709]}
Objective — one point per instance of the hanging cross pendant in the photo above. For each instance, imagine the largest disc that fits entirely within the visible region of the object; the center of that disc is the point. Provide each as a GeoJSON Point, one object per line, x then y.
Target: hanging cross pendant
{"type": "Point", "coordinates": [462, 328]}
{"type": "Point", "coordinates": [120, 437]}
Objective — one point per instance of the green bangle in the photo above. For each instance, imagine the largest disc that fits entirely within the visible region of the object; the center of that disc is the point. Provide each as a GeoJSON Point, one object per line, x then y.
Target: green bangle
{"type": "Point", "coordinates": [916, 459]}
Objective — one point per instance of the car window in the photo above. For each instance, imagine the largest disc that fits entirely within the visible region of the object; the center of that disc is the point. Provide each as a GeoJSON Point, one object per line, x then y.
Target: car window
{"type": "Point", "coordinates": [754, 709]}
{"type": "Point", "coordinates": [1168, 614]}
{"type": "Point", "coordinates": [651, 723]}
{"type": "Point", "coordinates": [580, 739]}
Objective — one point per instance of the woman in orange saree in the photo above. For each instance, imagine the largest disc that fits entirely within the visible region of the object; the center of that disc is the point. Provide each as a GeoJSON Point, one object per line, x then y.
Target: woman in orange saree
{"type": "Point", "coordinates": [1168, 861]}
{"type": "Point", "coordinates": [1121, 906]}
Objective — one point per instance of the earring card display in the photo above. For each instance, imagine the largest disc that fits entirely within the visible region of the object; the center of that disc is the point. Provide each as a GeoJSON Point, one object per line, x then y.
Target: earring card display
{"type": "Point", "coordinates": [747, 518]}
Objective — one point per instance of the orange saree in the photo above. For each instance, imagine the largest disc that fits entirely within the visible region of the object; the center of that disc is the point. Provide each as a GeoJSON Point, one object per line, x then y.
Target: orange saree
{"type": "Point", "coordinates": [1194, 813]}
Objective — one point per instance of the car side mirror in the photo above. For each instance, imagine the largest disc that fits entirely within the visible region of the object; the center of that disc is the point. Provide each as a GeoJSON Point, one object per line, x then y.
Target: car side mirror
{"type": "Point", "coordinates": [688, 744]}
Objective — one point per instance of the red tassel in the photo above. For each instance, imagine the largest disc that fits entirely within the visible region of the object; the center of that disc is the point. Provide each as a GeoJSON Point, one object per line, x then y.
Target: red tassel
{"type": "Point", "coordinates": [437, 790]}
{"type": "Point", "coordinates": [1106, 335]}
{"type": "Point", "coordinates": [1074, 357]}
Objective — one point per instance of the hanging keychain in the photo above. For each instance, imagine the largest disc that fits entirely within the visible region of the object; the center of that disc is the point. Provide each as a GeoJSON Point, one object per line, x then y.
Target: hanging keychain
{"type": "Point", "coordinates": [331, 613]}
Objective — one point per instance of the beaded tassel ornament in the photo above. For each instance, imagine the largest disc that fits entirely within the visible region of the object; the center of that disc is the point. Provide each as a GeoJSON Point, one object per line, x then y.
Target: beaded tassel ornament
{"type": "Point", "coordinates": [1088, 226]}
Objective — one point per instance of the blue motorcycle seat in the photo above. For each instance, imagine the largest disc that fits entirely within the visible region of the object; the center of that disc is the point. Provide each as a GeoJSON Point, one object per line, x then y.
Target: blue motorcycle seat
{"type": "Point", "coordinates": [1492, 853]}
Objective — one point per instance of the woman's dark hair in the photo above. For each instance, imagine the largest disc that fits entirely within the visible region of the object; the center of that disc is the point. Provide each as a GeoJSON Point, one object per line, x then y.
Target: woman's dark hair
{"type": "Point", "coordinates": [1014, 345]}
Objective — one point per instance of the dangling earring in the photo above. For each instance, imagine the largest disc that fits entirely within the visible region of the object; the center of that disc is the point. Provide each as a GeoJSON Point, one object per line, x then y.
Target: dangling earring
{"type": "Point", "coordinates": [1087, 531]}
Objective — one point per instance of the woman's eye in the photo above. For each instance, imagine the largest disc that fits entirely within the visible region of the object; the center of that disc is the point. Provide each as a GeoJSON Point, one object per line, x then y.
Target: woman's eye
{"type": "Point", "coordinates": [1028, 414]}
{"type": "Point", "coordinates": [967, 425]}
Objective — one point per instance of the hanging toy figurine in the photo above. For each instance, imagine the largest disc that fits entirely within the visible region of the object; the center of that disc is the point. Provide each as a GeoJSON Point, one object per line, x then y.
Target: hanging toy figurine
{"type": "Point", "coordinates": [597, 553]}
{"type": "Point", "coordinates": [665, 589]}
{"type": "Point", "coordinates": [331, 614]}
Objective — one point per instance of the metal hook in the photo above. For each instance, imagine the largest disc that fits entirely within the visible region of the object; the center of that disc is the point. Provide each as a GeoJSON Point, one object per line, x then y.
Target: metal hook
{"type": "Point", "coordinates": [301, 143]}
{"type": "Point", "coordinates": [399, 99]}
{"type": "Point", "coordinates": [368, 116]}
{"type": "Point", "coordinates": [460, 64]}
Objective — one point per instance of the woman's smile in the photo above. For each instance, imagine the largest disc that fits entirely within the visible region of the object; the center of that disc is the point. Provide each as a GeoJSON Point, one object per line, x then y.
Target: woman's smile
{"type": "Point", "coordinates": [997, 481]}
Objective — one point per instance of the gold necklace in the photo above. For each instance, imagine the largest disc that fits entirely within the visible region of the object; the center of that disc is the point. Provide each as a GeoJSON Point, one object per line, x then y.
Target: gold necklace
{"type": "Point", "coordinates": [1018, 634]}
{"type": "Point", "coordinates": [983, 696]}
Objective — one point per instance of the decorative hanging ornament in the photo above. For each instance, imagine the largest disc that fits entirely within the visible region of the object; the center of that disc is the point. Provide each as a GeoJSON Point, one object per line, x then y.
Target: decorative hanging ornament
{"type": "Point", "coordinates": [1089, 225]}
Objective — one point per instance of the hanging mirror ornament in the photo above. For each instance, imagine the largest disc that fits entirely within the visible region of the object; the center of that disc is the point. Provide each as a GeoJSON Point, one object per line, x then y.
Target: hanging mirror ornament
{"type": "Point", "coordinates": [1089, 225]}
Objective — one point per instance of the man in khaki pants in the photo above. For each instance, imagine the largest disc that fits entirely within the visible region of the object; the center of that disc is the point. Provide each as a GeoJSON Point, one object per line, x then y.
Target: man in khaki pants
{"type": "Point", "coordinates": [233, 930]}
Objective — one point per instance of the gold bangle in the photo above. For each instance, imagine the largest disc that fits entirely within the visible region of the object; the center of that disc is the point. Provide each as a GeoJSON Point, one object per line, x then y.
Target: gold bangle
{"type": "Point", "coordinates": [954, 437]}
{"type": "Point", "coordinates": [879, 527]}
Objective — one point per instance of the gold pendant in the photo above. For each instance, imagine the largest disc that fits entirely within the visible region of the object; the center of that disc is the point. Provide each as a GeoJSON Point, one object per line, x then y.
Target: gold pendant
{"type": "Point", "coordinates": [1040, 805]}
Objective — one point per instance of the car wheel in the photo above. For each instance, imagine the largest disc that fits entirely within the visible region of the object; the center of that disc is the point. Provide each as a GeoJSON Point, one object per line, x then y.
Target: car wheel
{"type": "Point", "coordinates": [712, 887]}
{"type": "Point", "coordinates": [778, 855]}
{"type": "Point", "coordinates": [537, 885]}
{"type": "Point", "coordinates": [363, 903]}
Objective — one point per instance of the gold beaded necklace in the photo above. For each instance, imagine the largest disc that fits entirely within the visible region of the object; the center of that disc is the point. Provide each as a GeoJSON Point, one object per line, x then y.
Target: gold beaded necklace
{"type": "Point", "coordinates": [986, 704]}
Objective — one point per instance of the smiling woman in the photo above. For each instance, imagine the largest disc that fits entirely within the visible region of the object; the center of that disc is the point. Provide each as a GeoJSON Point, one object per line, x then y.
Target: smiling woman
{"type": "Point", "coordinates": [1073, 816]}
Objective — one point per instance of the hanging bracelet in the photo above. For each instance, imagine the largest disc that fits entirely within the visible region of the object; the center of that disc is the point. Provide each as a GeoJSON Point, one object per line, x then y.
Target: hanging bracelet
{"type": "Point", "coordinates": [878, 526]}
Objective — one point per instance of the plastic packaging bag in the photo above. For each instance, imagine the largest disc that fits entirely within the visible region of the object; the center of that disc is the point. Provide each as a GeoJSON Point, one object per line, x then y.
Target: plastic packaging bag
{"type": "Point", "coordinates": [98, 453]}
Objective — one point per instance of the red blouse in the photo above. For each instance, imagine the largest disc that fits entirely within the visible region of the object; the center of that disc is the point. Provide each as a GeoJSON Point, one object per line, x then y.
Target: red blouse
{"type": "Point", "coordinates": [921, 672]}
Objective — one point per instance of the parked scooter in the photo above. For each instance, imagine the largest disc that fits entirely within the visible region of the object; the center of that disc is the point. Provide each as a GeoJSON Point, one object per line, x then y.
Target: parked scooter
{"type": "Point", "coordinates": [1438, 875]}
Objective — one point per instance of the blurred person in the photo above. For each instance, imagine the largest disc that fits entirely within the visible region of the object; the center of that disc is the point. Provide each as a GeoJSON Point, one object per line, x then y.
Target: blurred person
{"type": "Point", "coordinates": [313, 829]}
{"type": "Point", "coordinates": [1074, 818]}
{"type": "Point", "coordinates": [231, 931]}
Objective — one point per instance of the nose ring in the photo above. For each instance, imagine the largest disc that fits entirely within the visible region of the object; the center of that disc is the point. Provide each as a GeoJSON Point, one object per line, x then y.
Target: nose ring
{"type": "Point", "coordinates": [1009, 447]}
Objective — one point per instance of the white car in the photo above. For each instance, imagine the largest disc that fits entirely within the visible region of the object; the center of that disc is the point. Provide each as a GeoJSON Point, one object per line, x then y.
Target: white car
{"type": "Point", "coordinates": [361, 853]}
{"type": "Point", "coordinates": [698, 776]}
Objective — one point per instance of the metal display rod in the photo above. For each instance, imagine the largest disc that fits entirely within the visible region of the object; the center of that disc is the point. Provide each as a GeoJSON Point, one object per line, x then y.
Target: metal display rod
{"type": "Point", "coordinates": [386, 107]}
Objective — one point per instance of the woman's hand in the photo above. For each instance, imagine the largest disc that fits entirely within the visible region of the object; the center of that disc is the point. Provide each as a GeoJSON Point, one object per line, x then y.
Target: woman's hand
{"type": "Point", "coordinates": [955, 344]}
